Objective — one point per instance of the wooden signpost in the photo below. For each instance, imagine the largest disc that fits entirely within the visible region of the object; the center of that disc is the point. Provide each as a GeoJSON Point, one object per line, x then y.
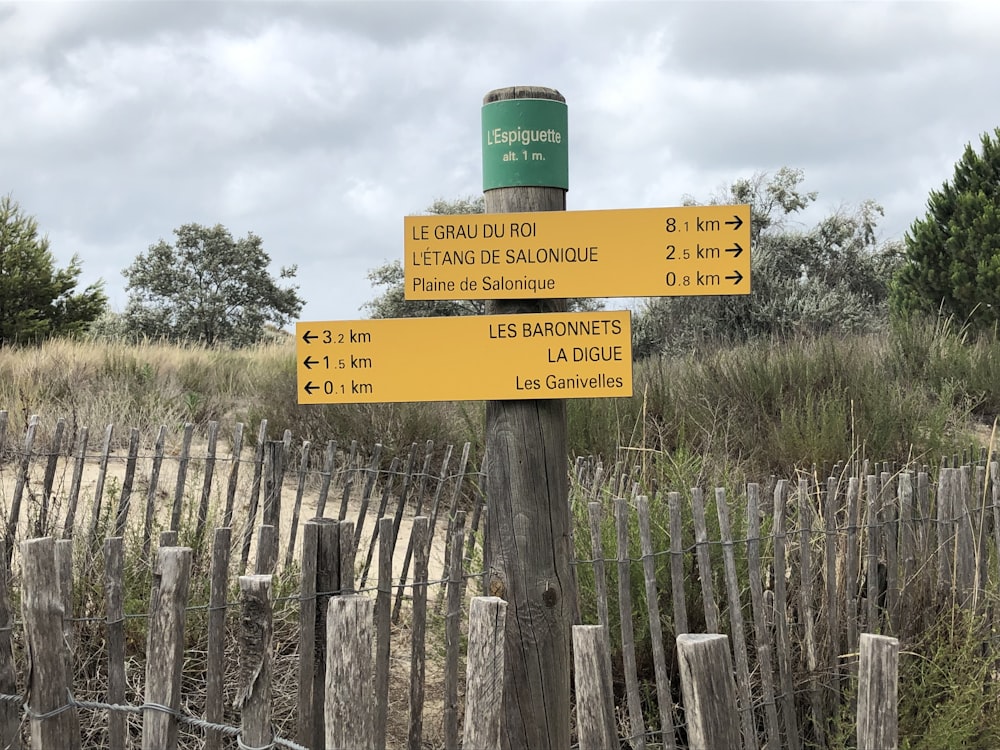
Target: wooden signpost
{"type": "Point", "coordinates": [525, 256]}
{"type": "Point", "coordinates": [527, 483]}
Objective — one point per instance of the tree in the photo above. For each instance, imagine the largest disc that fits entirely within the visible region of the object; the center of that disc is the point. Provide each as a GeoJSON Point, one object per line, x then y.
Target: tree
{"type": "Point", "coordinates": [831, 277]}
{"type": "Point", "coordinates": [37, 299]}
{"type": "Point", "coordinates": [390, 276]}
{"type": "Point", "coordinates": [208, 288]}
{"type": "Point", "coordinates": [952, 255]}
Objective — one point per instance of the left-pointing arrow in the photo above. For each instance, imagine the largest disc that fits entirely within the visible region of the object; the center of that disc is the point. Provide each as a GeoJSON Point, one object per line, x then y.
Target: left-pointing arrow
{"type": "Point", "coordinates": [737, 277]}
{"type": "Point", "coordinates": [308, 336]}
{"type": "Point", "coordinates": [309, 362]}
{"type": "Point", "coordinates": [309, 387]}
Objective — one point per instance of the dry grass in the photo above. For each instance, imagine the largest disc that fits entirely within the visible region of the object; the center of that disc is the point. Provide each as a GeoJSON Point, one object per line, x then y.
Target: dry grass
{"type": "Point", "coordinates": [146, 385]}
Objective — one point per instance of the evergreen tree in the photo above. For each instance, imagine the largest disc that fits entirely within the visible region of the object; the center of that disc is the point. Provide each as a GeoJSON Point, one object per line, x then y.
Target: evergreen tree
{"type": "Point", "coordinates": [37, 299]}
{"type": "Point", "coordinates": [952, 255]}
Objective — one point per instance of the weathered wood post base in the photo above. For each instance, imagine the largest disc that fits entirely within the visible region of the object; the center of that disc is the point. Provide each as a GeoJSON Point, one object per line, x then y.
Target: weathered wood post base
{"type": "Point", "coordinates": [709, 691]}
{"type": "Point", "coordinates": [878, 724]}
{"type": "Point", "coordinates": [54, 723]}
{"type": "Point", "coordinates": [595, 698]}
{"type": "Point", "coordinates": [253, 698]}
{"type": "Point", "coordinates": [484, 671]}
{"type": "Point", "coordinates": [350, 677]}
{"type": "Point", "coordinates": [165, 646]}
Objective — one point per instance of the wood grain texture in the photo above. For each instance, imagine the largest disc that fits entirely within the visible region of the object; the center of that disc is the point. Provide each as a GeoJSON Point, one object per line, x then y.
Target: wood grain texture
{"type": "Point", "coordinates": [350, 687]}
{"type": "Point", "coordinates": [595, 698]}
{"type": "Point", "coordinates": [877, 693]}
{"type": "Point", "coordinates": [709, 691]}
{"type": "Point", "coordinates": [48, 682]}
{"type": "Point", "coordinates": [485, 673]}
{"type": "Point", "coordinates": [165, 646]}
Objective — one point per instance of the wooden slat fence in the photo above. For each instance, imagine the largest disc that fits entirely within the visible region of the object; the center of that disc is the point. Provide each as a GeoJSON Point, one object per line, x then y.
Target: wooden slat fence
{"type": "Point", "coordinates": [793, 573]}
{"type": "Point", "coordinates": [797, 574]}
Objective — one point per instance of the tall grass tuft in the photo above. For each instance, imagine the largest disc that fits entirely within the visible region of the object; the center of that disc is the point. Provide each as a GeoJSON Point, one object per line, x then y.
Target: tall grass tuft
{"type": "Point", "coordinates": [912, 392]}
{"type": "Point", "coordinates": [95, 383]}
{"type": "Point", "coordinates": [917, 390]}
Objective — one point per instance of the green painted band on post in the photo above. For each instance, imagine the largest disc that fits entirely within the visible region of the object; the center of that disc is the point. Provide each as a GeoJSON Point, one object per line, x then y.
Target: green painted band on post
{"type": "Point", "coordinates": [525, 144]}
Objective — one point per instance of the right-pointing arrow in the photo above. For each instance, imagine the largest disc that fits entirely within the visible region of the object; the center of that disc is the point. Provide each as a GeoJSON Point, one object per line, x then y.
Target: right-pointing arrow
{"type": "Point", "coordinates": [737, 277]}
{"type": "Point", "coordinates": [735, 224]}
{"type": "Point", "coordinates": [737, 250]}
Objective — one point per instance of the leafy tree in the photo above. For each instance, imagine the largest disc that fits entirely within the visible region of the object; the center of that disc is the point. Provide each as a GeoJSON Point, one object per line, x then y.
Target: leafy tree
{"type": "Point", "coordinates": [831, 277]}
{"type": "Point", "coordinates": [952, 255]}
{"type": "Point", "coordinates": [390, 276]}
{"type": "Point", "coordinates": [37, 299]}
{"type": "Point", "coordinates": [208, 288]}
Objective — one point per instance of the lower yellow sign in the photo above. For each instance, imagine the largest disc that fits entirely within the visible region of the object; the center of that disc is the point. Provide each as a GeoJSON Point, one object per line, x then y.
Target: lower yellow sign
{"type": "Point", "coordinates": [552, 355]}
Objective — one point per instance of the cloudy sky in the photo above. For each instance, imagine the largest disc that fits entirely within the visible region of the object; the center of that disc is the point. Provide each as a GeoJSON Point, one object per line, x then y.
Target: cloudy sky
{"type": "Point", "coordinates": [318, 126]}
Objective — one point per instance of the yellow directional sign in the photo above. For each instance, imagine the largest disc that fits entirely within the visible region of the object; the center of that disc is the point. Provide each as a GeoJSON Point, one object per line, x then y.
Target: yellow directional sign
{"type": "Point", "coordinates": [552, 355]}
{"type": "Point", "coordinates": [636, 252]}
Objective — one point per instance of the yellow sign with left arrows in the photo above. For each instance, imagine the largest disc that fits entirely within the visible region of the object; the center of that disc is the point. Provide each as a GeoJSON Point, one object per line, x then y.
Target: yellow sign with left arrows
{"type": "Point", "coordinates": [474, 358]}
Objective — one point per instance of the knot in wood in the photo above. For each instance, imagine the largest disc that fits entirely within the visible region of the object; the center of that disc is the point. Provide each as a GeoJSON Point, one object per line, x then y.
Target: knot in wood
{"type": "Point", "coordinates": [497, 586]}
{"type": "Point", "coordinates": [550, 596]}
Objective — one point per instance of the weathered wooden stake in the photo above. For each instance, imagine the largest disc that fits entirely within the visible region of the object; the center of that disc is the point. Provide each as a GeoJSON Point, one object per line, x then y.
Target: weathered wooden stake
{"type": "Point", "coordinates": [877, 693]}
{"type": "Point", "coordinates": [484, 671]}
{"type": "Point", "coordinates": [10, 713]}
{"type": "Point", "coordinates": [637, 725]}
{"type": "Point", "coordinates": [256, 628]}
{"type": "Point", "coordinates": [165, 646]}
{"type": "Point", "coordinates": [267, 549]}
{"type": "Point", "coordinates": [114, 587]}
{"type": "Point", "coordinates": [350, 688]}
{"type": "Point", "coordinates": [19, 485]}
{"type": "Point", "coordinates": [595, 698]}
{"type": "Point", "coordinates": [418, 654]}
{"type": "Point", "coordinates": [663, 698]}
{"type": "Point", "coordinates": [709, 691]}
{"type": "Point", "coordinates": [206, 485]}
{"type": "Point", "coordinates": [527, 489]}
{"type": "Point", "coordinates": [328, 582]}
{"type": "Point", "coordinates": [54, 724]}
{"type": "Point", "coordinates": [154, 478]}
{"type": "Point", "coordinates": [182, 467]}
{"type": "Point", "coordinates": [74, 485]}
{"type": "Point", "coordinates": [452, 637]}
{"type": "Point", "coordinates": [307, 631]}
{"type": "Point", "coordinates": [383, 629]}
{"type": "Point", "coordinates": [215, 658]}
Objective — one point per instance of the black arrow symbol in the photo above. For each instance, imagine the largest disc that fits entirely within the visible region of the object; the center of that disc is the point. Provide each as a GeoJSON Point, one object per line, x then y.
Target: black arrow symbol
{"type": "Point", "coordinates": [737, 250]}
{"type": "Point", "coordinates": [737, 277]}
{"type": "Point", "coordinates": [309, 388]}
{"type": "Point", "coordinates": [308, 336]}
{"type": "Point", "coordinates": [309, 362]}
{"type": "Point", "coordinates": [736, 224]}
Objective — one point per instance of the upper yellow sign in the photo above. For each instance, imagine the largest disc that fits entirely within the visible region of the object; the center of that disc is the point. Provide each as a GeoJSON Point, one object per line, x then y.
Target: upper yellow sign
{"type": "Point", "coordinates": [473, 358]}
{"type": "Point", "coordinates": [635, 252]}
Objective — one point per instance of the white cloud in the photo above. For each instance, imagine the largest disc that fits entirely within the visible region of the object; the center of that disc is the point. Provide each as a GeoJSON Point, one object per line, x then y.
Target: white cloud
{"type": "Point", "coordinates": [319, 125]}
